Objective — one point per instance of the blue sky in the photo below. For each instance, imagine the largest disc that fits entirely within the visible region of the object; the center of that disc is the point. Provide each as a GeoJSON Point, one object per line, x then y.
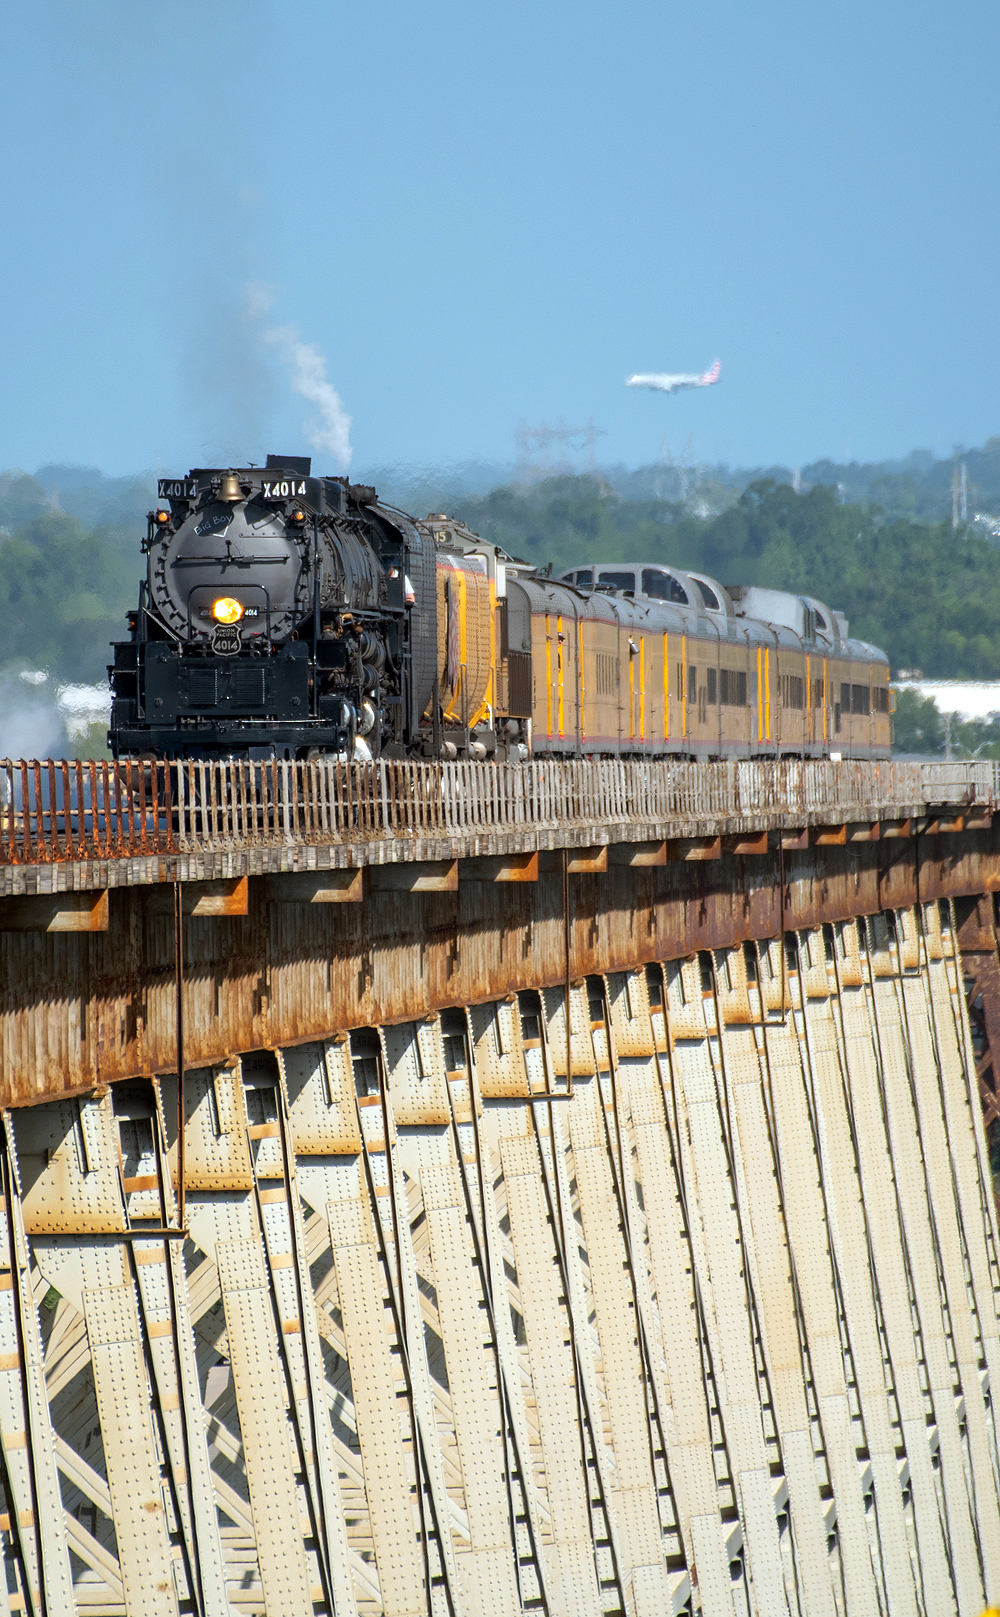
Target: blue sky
{"type": "Point", "coordinates": [481, 214]}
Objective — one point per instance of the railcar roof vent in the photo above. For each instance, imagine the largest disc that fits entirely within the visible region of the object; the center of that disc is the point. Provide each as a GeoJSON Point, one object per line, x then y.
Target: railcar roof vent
{"type": "Point", "coordinates": [776, 607]}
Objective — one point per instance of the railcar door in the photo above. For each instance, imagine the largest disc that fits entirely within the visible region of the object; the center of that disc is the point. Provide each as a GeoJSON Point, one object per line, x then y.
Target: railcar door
{"type": "Point", "coordinates": [657, 690]}
{"type": "Point", "coordinates": [600, 685]}
{"type": "Point", "coordinates": [642, 688]}
{"type": "Point", "coordinates": [881, 729]}
{"type": "Point", "coordinates": [663, 686]}
{"type": "Point", "coordinates": [679, 722]}
{"type": "Point", "coordinates": [518, 652]}
{"type": "Point", "coordinates": [554, 684]}
{"type": "Point", "coordinates": [842, 709]}
{"type": "Point", "coordinates": [630, 652]}
{"type": "Point", "coordinates": [734, 709]}
{"type": "Point", "coordinates": [635, 646]}
{"type": "Point", "coordinates": [791, 727]}
{"type": "Point", "coordinates": [817, 699]}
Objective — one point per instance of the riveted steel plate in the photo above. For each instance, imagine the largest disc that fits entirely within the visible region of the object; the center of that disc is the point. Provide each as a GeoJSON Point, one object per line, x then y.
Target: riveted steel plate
{"type": "Point", "coordinates": [217, 1153]}
{"type": "Point", "coordinates": [496, 1033]}
{"type": "Point", "coordinates": [320, 1084]}
{"type": "Point", "coordinates": [67, 1153]}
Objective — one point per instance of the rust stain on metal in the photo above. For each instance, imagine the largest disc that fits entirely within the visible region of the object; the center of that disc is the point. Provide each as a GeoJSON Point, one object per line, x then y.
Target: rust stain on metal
{"type": "Point", "coordinates": [82, 1010]}
{"type": "Point", "coordinates": [226, 896]}
{"type": "Point", "coordinates": [56, 912]}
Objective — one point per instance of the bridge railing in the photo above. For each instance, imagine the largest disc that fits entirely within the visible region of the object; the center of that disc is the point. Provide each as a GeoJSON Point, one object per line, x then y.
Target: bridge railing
{"type": "Point", "coordinates": [56, 810]}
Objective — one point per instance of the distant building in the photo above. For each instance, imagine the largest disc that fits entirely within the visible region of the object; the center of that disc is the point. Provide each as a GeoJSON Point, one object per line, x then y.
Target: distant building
{"type": "Point", "coordinates": [970, 698]}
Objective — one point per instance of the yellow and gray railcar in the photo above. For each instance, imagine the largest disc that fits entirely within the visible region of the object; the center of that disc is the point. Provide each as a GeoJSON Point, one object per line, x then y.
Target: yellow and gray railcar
{"type": "Point", "coordinates": [646, 660]}
{"type": "Point", "coordinates": [469, 607]}
{"type": "Point", "coordinates": [641, 659]}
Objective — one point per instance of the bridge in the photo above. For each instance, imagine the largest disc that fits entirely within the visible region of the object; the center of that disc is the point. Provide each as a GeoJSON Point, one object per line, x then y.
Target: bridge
{"type": "Point", "coordinates": [449, 1189]}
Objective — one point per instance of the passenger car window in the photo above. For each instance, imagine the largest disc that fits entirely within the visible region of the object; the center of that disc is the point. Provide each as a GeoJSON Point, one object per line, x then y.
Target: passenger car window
{"type": "Point", "coordinates": [619, 581]}
{"type": "Point", "coordinates": [709, 597]}
{"type": "Point", "coordinates": [585, 575]}
{"type": "Point", "coordinates": [663, 586]}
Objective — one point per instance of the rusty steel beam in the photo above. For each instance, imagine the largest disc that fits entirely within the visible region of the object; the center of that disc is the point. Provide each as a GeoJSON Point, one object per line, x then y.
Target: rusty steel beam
{"type": "Point", "coordinates": [426, 1343]}
{"type": "Point", "coordinates": [432, 876]}
{"type": "Point", "coordinates": [500, 868]}
{"type": "Point", "coordinates": [829, 836]}
{"type": "Point", "coordinates": [755, 842]}
{"type": "Point", "coordinates": [694, 848]}
{"type": "Point", "coordinates": [57, 912]}
{"type": "Point", "coordinates": [223, 897]}
{"type": "Point", "coordinates": [980, 955]}
{"type": "Point", "coordinates": [316, 887]}
{"type": "Point", "coordinates": [944, 821]}
{"type": "Point", "coordinates": [582, 861]}
{"type": "Point", "coordinates": [904, 828]}
{"type": "Point", "coordinates": [795, 841]}
{"type": "Point", "coordinates": [638, 854]}
{"type": "Point", "coordinates": [80, 1011]}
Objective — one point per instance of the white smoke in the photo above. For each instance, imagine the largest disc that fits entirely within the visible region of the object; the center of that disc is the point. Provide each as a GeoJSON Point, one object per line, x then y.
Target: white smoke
{"type": "Point", "coordinates": [31, 725]}
{"type": "Point", "coordinates": [331, 434]}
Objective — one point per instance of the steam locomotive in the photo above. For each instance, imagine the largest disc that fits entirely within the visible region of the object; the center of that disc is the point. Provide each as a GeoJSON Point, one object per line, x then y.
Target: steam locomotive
{"type": "Point", "coordinates": [290, 615]}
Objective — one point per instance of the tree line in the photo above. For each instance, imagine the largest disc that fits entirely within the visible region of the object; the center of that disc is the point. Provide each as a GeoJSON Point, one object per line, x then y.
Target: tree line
{"type": "Point", "coordinates": [927, 596]}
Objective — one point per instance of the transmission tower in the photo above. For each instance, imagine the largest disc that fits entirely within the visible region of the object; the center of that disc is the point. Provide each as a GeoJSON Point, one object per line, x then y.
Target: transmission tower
{"type": "Point", "coordinates": [959, 496]}
{"type": "Point", "coordinates": [535, 459]}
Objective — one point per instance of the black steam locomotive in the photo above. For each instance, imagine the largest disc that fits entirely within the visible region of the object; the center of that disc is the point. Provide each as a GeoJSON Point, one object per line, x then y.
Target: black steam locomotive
{"type": "Point", "coordinates": [276, 618]}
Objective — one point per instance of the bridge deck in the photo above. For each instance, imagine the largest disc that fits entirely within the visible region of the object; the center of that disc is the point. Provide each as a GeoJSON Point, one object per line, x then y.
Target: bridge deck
{"type": "Point", "coordinates": [75, 825]}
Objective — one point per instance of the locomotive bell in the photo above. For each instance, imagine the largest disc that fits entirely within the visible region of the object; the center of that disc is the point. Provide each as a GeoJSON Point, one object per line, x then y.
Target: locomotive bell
{"type": "Point", "coordinates": [229, 488]}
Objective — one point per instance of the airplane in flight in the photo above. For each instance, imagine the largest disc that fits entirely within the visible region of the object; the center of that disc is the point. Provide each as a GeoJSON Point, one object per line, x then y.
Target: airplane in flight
{"type": "Point", "coordinates": [676, 384]}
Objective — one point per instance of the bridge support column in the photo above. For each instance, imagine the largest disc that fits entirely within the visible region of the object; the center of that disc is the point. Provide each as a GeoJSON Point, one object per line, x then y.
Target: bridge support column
{"type": "Point", "coordinates": [707, 1322]}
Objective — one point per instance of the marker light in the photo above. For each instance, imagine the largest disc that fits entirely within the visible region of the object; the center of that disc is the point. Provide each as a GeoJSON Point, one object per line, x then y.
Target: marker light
{"type": "Point", "coordinates": [163, 516]}
{"type": "Point", "coordinates": [298, 516]}
{"type": "Point", "coordinates": [226, 610]}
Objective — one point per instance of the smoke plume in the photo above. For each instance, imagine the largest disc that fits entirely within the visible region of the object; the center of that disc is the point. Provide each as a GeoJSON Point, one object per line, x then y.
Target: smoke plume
{"type": "Point", "coordinates": [31, 725]}
{"type": "Point", "coordinates": [332, 432]}
{"type": "Point", "coordinates": [227, 374]}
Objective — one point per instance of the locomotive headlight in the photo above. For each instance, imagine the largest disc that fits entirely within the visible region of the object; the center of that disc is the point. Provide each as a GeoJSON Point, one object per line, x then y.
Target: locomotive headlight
{"type": "Point", "coordinates": [226, 610]}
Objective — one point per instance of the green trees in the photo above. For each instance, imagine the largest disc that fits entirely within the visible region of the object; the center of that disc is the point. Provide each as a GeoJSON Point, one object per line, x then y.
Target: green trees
{"type": "Point", "coordinates": [64, 590]}
{"type": "Point", "coordinates": [917, 725]}
{"type": "Point", "coordinates": [927, 596]}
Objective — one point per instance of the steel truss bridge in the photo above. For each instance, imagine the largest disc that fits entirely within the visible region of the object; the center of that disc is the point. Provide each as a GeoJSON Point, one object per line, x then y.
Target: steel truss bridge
{"type": "Point", "coordinates": [447, 1191]}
